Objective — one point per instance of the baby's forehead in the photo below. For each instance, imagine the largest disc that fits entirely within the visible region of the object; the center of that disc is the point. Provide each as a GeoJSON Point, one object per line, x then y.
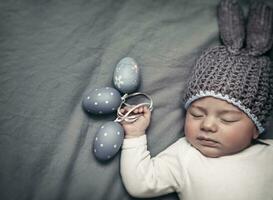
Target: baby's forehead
{"type": "Point", "coordinates": [214, 103]}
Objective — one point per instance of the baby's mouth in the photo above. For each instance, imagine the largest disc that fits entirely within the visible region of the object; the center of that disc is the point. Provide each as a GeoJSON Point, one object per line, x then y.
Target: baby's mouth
{"type": "Point", "coordinates": [205, 141]}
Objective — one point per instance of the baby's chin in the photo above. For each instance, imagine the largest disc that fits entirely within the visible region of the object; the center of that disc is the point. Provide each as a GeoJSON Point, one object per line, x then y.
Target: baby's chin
{"type": "Point", "coordinates": [214, 152]}
{"type": "Point", "coordinates": [210, 152]}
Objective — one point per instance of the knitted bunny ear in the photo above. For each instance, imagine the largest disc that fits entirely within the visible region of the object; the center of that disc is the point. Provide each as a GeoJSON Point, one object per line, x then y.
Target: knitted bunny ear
{"type": "Point", "coordinates": [231, 24]}
{"type": "Point", "coordinates": [259, 29]}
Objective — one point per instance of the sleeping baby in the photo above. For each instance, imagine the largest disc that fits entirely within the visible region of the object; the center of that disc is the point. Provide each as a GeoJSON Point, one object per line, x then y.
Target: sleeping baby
{"type": "Point", "coordinates": [227, 101]}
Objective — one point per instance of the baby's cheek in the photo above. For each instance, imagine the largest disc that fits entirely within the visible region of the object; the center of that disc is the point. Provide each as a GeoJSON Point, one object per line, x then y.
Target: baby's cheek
{"type": "Point", "coordinates": [190, 128]}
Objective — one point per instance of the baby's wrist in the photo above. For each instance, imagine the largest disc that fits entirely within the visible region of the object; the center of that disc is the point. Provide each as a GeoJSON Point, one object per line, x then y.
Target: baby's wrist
{"type": "Point", "coordinates": [134, 135]}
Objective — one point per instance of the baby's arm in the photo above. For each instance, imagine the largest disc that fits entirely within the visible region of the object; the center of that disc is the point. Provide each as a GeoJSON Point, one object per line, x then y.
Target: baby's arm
{"type": "Point", "coordinates": [142, 175]}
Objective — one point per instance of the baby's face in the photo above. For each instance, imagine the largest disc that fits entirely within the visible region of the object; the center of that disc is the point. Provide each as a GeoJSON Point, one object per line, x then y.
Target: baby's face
{"type": "Point", "coordinates": [217, 128]}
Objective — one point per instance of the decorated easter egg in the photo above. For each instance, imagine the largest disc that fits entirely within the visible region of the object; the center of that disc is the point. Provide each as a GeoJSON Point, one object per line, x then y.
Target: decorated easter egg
{"type": "Point", "coordinates": [108, 140]}
{"type": "Point", "coordinates": [126, 75]}
{"type": "Point", "coordinates": [102, 101]}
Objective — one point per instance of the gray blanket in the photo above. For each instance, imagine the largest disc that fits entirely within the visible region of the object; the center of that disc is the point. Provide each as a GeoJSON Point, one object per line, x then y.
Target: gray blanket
{"type": "Point", "coordinates": [53, 52]}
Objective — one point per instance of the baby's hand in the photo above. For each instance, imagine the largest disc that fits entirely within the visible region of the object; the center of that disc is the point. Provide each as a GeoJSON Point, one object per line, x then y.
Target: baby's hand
{"type": "Point", "coordinates": [137, 128]}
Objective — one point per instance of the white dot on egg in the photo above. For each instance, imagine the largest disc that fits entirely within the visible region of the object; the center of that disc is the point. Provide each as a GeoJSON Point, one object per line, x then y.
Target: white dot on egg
{"type": "Point", "coordinates": [111, 93]}
{"type": "Point", "coordinates": [107, 88]}
{"type": "Point", "coordinates": [99, 94]}
{"type": "Point", "coordinates": [113, 109]}
{"type": "Point", "coordinates": [106, 102]}
{"type": "Point", "coordinates": [101, 145]}
{"type": "Point", "coordinates": [108, 156]}
{"type": "Point", "coordinates": [102, 127]}
{"type": "Point", "coordinates": [96, 139]}
{"type": "Point", "coordinates": [118, 132]}
{"type": "Point", "coordinates": [105, 134]}
{"type": "Point", "coordinates": [95, 150]}
{"type": "Point", "coordinates": [96, 103]}
{"type": "Point", "coordinates": [115, 146]}
{"type": "Point", "coordinates": [88, 97]}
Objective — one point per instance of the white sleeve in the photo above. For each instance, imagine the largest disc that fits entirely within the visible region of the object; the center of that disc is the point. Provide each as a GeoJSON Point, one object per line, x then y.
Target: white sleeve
{"type": "Point", "coordinates": [144, 176]}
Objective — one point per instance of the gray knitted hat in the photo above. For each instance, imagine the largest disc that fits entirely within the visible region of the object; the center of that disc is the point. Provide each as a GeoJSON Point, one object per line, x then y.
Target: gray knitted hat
{"type": "Point", "coordinates": [236, 72]}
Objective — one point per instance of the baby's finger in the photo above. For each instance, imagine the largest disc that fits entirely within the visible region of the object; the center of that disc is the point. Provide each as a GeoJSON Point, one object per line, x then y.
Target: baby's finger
{"type": "Point", "coordinates": [146, 112]}
{"type": "Point", "coordinates": [125, 109]}
{"type": "Point", "coordinates": [136, 110]}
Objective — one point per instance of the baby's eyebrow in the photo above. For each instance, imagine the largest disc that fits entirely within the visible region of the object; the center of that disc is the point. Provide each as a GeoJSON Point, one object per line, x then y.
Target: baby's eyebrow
{"type": "Point", "coordinates": [198, 107]}
{"type": "Point", "coordinates": [221, 112]}
{"type": "Point", "coordinates": [230, 112]}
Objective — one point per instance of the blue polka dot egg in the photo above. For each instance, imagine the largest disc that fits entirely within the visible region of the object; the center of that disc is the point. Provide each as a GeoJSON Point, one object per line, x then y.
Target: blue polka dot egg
{"type": "Point", "coordinates": [126, 76]}
{"type": "Point", "coordinates": [102, 101]}
{"type": "Point", "coordinates": [108, 140]}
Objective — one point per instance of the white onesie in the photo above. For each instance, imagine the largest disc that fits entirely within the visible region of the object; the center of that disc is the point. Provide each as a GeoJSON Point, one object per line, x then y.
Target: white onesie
{"type": "Point", "coordinates": [181, 168]}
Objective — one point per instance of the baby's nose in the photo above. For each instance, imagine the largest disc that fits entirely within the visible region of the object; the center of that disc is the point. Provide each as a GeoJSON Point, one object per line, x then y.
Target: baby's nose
{"type": "Point", "coordinates": [209, 124]}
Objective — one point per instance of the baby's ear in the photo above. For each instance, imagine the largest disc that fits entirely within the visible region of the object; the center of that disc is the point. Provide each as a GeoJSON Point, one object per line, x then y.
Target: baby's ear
{"type": "Point", "coordinates": [255, 133]}
{"type": "Point", "coordinates": [259, 29]}
{"type": "Point", "coordinates": [231, 24]}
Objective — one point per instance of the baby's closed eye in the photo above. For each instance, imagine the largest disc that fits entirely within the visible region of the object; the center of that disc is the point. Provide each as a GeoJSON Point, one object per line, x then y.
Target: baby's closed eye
{"type": "Point", "coordinates": [196, 113]}
{"type": "Point", "coordinates": [230, 118]}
